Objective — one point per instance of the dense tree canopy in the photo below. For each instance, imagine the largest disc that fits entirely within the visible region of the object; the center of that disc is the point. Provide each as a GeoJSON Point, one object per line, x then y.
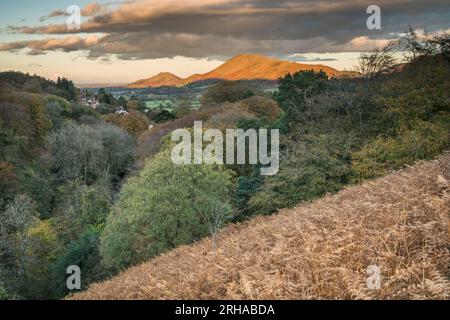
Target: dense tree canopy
{"type": "Point", "coordinates": [165, 206]}
{"type": "Point", "coordinates": [92, 152]}
{"type": "Point", "coordinates": [227, 91]}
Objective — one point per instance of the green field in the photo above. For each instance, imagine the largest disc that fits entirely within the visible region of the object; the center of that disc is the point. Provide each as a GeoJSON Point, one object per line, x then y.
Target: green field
{"type": "Point", "coordinates": [154, 104]}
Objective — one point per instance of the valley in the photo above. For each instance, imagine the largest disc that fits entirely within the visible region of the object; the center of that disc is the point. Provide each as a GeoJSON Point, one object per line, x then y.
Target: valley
{"type": "Point", "coordinates": [167, 91]}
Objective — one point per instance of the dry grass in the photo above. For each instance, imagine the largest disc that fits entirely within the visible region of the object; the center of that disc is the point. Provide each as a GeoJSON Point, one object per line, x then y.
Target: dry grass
{"type": "Point", "coordinates": [316, 251]}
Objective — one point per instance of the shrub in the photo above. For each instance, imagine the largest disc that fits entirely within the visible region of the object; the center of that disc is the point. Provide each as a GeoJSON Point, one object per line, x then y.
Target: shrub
{"type": "Point", "coordinates": [37, 182]}
{"type": "Point", "coordinates": [163, 116]}
{"type": "Point", "coordinates": [83, 253]}
{"type": "Point", "coordinates": [135, 122]}
{"type": "Point", "coordinates": [76, 151]}
{"type": "Point", "coordinates": [383, 154]}
{"type": "Point", "coordinates": [228, 115]}
{"type": "Point", "coordinates": [90, 152]}
{"type": "Point", "coordinates": [307, 171]}
{"type": "Point", "coordinates": [246, 188]}
{"type": "Point", "coordinates": [227, 91]}
{"type": "Point", "coordinates": [9, 184]}
{"type": "Point", "coordinates": [6, 294]}
{"type": "Point", "coordinates": [165, 206]}
{"type": "Point", "coordinates": [295, 89]}
{"type": "Point", "coordinates": [41, 249]}
{"type": "Point", "coordinates": [262, 107]}
{"type": "Point", "coordinates": [79, 207]}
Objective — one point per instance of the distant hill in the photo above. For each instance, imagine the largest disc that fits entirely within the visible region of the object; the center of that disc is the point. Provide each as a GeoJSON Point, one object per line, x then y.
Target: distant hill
{"type": "Point", "coordinates": [164, 79]}
{"type": "Point", "coordinates": [318, 250]}
{"type": "Point", "coordinates": [241, 67]}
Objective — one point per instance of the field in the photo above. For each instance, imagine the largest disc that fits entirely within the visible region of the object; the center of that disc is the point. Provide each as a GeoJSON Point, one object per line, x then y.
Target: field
{"type": "Point", "coordinates": [175, 97]}
{"type": "Point", "coordinates": [153, 104]}
{"type": "Point", "coordinates": [319, 250]}
{"type": "Point", "coordinates": [165, 97]}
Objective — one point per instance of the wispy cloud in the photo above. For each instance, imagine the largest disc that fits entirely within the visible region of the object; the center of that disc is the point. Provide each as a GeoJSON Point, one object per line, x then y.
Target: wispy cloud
{"type": "Point", "coordinates": [67, 44]}
{"type": "Point", "coordinates": [90, 10]}
{"type": "Point", "coordinates": [304, 58]}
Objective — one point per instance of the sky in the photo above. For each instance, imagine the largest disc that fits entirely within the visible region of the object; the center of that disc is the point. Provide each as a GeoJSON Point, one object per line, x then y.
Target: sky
{"type": "Point", "coordinates": [121, 41]}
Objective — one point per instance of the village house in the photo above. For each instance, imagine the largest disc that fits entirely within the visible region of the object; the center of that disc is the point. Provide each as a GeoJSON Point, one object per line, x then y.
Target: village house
{"type": "Point", "coordinates": [121, 110]}
{"type": "Point", "coordinates": [90, 102]}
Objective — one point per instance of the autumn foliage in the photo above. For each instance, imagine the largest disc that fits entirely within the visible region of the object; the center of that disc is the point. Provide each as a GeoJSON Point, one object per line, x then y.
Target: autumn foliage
{"type": "Point", "coordinates": [316, 251]}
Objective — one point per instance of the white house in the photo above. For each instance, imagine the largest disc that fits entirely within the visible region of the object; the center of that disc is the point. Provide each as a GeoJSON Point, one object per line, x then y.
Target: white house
{"type": "Point", "coordinates": [121, 110]}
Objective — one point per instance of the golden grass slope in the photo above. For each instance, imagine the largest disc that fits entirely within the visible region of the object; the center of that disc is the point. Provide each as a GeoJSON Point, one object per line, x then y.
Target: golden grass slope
{"type": "Point", "coordinates": [318, 250]}
{"type": "Point", "coordinates": [241, 67]}
{"type": "Point", "coordinates": [254, 67]}
{"type": "Point", "coordinates": [160, 80]}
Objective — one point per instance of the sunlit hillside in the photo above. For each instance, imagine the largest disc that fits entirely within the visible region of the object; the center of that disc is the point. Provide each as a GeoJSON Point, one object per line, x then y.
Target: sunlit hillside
{"type": "Point", "coordinates": [241, 67]}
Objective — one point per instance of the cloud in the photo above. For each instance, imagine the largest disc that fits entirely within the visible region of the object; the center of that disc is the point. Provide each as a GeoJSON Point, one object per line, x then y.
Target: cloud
{"type": "Point", "coordinates": [303, 58]}
{"type": "Point", "coordinates": [365, 43]}
{"type": "Point", "coordinates": [90, 10]}
{"type": "Point", "coordinates": [93, 9]}
{"type": "Point", "coordinates": [221, 28]}
{"type": "Point", "coordinates": [54, 14]}
{"type": "Point", "coordinates": [35, 65]}
{"type": "Point", "coordinates": [67, 44]}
